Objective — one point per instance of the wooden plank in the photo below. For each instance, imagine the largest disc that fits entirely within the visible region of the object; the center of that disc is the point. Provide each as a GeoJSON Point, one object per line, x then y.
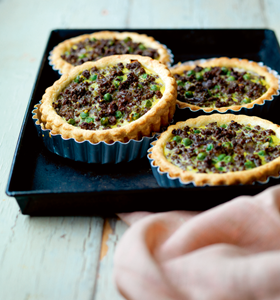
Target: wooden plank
{"type": "Point", "coordinates": [50, 258]}
{"type": "Point", "coordinates": [105, 289]}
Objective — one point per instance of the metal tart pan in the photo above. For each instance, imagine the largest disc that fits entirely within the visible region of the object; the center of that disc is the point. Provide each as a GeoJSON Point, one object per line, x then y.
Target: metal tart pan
{"type": "Point", "coordinates": [164, 180]}
{"type": "Point", "coordinates": [88, 152]}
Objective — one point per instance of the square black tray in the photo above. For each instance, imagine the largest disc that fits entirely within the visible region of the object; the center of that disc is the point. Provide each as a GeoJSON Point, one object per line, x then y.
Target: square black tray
{"type": "Point", "coordinates": [46, 184]}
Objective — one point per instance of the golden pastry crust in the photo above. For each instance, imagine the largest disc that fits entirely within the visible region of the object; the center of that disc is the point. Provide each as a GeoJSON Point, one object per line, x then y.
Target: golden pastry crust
{"type": "Point", "coordinates": [159, 115]}
{"type": "Point", "coordinates": [64, 67]}
{"type": "Point", "coordinates": [260, 173]}
{"type": "Point", "coordinates": [233, 63]}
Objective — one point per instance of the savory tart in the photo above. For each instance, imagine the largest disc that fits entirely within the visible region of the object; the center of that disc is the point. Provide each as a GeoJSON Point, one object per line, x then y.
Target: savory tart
{"type": "Point", "coordinates": [223, 83]}
{"type": "Point", "coordinates": [91, 47]}
{"type": "Point", "coordinates": [219, 150]}
{"type": "Point", "coordinates": [116, 98]}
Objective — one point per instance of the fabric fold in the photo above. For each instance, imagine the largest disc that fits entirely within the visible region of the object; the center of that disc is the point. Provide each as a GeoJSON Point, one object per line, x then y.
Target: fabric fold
{"type": "Point", "coordinates": [231, 251]}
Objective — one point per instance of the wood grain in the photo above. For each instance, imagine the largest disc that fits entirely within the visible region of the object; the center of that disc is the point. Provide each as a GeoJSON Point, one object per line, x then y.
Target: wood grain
{"type": "Point", "coordinates": [59, 258]}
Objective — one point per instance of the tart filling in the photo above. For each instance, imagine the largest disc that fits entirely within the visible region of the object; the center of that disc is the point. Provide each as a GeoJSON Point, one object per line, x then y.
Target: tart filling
{"type": "Point", "coordinates": [219, 86]}
{"type": "Point", "coordinates": [223, 83]}
{"type": "Point", "coordinates": [116, 98]}
{"type": "Point", "coordinates": [219, 149]}
{"type": "Point", "coordinates": [92, 49]}
{"type": "Point", "coordinates": [104, 98]}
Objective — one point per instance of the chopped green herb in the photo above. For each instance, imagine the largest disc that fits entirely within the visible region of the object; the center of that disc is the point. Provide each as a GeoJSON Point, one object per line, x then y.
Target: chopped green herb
{"type": "Point", "coordinates": [154, 88]}
{"type": "Point", "coordinates": [249, 164]}
{"type": "Point", "coordinates": [116, 84]}
{"type": "Point", "coordinates": [127, 39]}
{"type": "Point", "coordinates": [135, 116]}
{"type": "Point", "coordinates": [262, 153]}
{"type": "Point", "coordinates": [179, 82]}
{"type": "Point", "coordinates": [190, 72]}
{"type": "Point", "coordinates": [142, 47]}
{"type": "Point", "coordinates": [148, 103]}
{"type": "Point", "coordinates": [246, 100]}
{"type": "Point", "coordinates": [247, 76]}
{"type": "Point", "coordinates": [189, 94]}
{"type": "Point", "coordinates": [93, 77]}
{"type": "Point", "coordinates": [209, 147]}
{"type": "Point", "coordinates": [224, 70]}
{"type": "Point", "coordinates": [228, 159]}
{"type": "Point", "coordinates": [71, 121]}
{"type": "Point", "coordinates": [227, 145]}
{"type": "Point", "coordinates": [82, 56]}
{"type": "Point", "coordinates": [231, 78]}
{"type": "Point", "coordinates": [77, 79]}
{"type": "Point", "coordinates": [221, 157]}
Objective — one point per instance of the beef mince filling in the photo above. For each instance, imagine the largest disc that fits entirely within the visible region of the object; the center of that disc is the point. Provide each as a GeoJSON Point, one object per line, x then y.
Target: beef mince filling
{"type": "Point", "coordinates": [93, 49]}
{"type": "Point", "coordinates": [221, 148]}
{"type": "Point", "coordinates": [219, 86]}
{"type": "Point", "coordinates": [111, 97]}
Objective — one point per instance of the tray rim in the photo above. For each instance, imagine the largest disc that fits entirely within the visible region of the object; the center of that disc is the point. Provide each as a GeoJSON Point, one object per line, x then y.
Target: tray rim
{"type": "Point", "coordinates": [28, 112]}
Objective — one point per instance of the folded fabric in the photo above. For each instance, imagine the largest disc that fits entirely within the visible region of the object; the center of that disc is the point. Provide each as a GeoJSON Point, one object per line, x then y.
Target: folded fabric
{"type": "Point", "coordinates": [229, 252]}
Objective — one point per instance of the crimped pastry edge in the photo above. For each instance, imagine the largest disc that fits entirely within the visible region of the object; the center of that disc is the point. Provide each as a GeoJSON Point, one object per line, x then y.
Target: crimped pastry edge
{"type": "Point", "coordinates": [262, 173]}
{"type": "Point", "coordinates": [259, 68]}
{"type": "Point", "coordinates": [64, 67]}
{"type": "Point", "coordinates": [160, 114]}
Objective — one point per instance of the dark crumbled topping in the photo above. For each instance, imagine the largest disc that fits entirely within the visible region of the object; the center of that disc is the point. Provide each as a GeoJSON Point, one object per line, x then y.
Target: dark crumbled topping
{"type": "Point", "coordinates": [93, 49]}
{"type": "Point", "coordinates": [110, 97]}
{"type": "Point", "coordinates": [222, 148]}
{"type": "Point", "coordinates": [219, 87]}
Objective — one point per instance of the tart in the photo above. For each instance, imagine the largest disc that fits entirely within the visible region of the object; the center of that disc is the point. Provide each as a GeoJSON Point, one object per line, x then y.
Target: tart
{"type": "Point", "coordinates": [117, 98]}
{"type": "Point", "coordinates": [220, 149]}
{"type": "Point", "coordinates": [91, 47]}
{"type": "Point", "coordinates": [223, 83]}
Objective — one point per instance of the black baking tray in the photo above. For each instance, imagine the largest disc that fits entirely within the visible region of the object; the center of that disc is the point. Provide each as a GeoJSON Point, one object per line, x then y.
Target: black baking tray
{"type": "Point", "coordinates": [45, 184]}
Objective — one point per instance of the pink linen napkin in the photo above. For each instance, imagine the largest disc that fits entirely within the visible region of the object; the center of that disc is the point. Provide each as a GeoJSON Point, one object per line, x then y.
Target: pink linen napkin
{"type": "Point", "coordinates": [229, 252]}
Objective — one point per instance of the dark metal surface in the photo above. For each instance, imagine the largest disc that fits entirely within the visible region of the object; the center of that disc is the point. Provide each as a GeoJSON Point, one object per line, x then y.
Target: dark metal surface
{"type": "Point", "coordinates": [46, 184]}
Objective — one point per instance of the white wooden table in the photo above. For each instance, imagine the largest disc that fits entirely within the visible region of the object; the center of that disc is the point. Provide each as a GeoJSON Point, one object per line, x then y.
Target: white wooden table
{"type": "Point", "coordinates": [72, 257]}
